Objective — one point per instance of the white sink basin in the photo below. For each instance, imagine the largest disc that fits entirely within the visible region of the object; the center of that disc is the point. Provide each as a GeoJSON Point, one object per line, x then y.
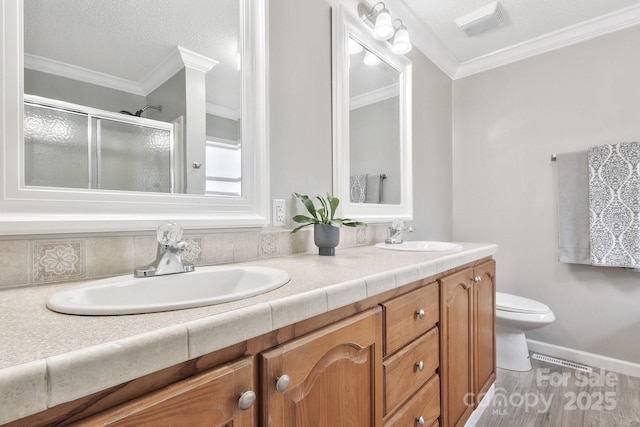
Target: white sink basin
{"type": "Point", "coordinates": [204, 286]}
{"type": "Point", "coordinates": [419, 246]}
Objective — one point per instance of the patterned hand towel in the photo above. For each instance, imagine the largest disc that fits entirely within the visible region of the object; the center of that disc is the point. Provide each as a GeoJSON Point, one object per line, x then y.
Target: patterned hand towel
{"type": "Point", "coordinates": [358, 188]}
{"type": "Point", "coordinates": [614, 204]}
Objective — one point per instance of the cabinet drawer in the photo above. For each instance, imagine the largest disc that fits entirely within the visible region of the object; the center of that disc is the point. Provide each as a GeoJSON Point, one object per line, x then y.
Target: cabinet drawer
{"type": "Point", "coordinates": [403, 320]}
{"type": "Point", "coordinates": [425, 404]}
{"type": "Point", "coordinates": [206, 399]}
{"type": "Point", "coordinates": [402, 376]}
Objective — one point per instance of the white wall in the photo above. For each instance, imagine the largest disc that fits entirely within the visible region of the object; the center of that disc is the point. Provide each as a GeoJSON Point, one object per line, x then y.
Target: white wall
{"type": "Point", "coordinates": [300, 97]}
{"type": "Point", "coordinates": [300, 115]}
{"type": "Point", "coordinates": [507, 123]}
{"type": "Point", "coordinates": [432, 153]}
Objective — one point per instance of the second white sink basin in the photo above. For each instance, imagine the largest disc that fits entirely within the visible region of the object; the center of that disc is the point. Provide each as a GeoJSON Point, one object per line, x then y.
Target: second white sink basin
{"type": "Point", "coordinates": [419, 246]}
{"type": "Point", "coordinates": [204, 286]}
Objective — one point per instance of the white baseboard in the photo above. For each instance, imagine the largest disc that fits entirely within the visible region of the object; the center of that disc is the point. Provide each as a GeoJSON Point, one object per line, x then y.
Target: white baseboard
{"type": "Point", "coordinates": [590, 359]}
{"type": "Point", "coordinates": [482, 406]}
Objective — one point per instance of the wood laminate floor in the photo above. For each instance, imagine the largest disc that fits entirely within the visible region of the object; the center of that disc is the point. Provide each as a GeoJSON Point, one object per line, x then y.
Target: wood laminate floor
{"type": "Point", "coordinates": [555, 396]}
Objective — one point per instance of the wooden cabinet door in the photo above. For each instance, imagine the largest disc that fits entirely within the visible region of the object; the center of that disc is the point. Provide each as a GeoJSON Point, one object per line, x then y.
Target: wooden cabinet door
{"type": "Point", "coordinates": [209, 399]}
{"type": "Point", "coordinates": [335, 376]}
{"type": "Point", "coordinates": [484, 328]}
{"type": "Point", "coordinates": [456, 346]}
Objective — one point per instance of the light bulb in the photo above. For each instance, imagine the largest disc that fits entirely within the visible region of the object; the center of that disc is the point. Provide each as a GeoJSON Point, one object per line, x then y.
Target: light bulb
{"type": "Point", "coordinates": [383, 30]}
{"type": "Point", "coordinates": [401, 43]}
{"type": "Point", "coordinates": [354, 46]}
{"type": "Point", "coordinates": [371, 59]}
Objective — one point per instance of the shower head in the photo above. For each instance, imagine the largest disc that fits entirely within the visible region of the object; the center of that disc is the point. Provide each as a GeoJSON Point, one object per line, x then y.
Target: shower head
{"type": "Point", "coordinates": [142, 110]}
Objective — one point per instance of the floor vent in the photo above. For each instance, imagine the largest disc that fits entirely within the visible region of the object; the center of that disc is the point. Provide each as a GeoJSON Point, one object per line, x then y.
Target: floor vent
{"type": "Point", "coordinates": [561, 362]}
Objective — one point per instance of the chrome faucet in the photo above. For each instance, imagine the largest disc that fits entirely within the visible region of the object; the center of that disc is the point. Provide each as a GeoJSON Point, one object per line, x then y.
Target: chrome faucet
{"type": "Point", "coordinates": [169, 257]}
{"type": "Point", "coordinates": [396, 230]}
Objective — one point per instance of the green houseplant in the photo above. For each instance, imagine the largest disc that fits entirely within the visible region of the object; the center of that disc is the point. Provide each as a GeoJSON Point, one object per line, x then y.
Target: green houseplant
{"type": "Point", "coordinates": [326, 227]}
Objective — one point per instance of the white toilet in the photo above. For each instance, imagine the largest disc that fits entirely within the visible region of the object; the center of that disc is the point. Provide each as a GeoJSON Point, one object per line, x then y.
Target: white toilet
{"type": "Point", "coordinates": [514, 316]}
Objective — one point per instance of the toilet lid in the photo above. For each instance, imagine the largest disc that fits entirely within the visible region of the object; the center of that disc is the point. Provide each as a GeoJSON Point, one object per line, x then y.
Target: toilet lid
{"type": "Point", "coordinates": [517, 304]}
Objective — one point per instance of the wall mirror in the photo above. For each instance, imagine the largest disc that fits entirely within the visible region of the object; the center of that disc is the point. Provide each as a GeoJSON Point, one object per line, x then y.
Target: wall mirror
{"type": "Point", "coordinates": [140, 104]}
{"type": "Point", "coordinates": [372, 124]}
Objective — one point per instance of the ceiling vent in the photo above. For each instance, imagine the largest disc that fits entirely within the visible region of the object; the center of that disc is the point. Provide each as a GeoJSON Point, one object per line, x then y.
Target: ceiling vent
{"type": "Point", "coordinates": [481, 20]}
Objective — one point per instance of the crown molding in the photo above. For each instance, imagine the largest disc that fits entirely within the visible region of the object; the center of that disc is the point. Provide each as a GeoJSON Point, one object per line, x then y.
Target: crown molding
{"type": "Point", "coordinates": [374, 96]}
{"type": "Point", "coordinates": [583, 31]}
{"type": "Point", "coordinates": [196, 61]}
{"type": "Point", "coordinates": [224, 112]}
{"type": "Point", "coordinates": [46, 65]}
{"type": "Point", "coordinates": [441, 56]}
{"type": "Point", "coordinates": [178, 58]}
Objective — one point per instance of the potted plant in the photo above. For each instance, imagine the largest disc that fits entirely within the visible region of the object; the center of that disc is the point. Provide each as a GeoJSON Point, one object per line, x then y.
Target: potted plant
{"type": "Point", "coordinates": [326, 227]}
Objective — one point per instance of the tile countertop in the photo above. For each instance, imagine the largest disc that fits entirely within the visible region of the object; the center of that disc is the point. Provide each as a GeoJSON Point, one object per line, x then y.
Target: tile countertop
{"type": "Point", "coordinates": [47, 358]}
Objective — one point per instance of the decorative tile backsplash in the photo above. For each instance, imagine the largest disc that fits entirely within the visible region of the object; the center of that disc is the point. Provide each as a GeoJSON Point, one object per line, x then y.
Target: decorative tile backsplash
{"type": "Point", "coordinates": [34, 262]}
{"type": "Point", "coordinates": [58, 261]}
{"type": "Point", "coordinates": [193, 254]}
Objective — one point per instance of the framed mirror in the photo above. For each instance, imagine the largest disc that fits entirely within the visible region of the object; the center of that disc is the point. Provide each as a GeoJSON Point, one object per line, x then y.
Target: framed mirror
{"type": "Point", "coordinates": [119, 114]}
{"type": "Point", "coordinates": [372, 124]}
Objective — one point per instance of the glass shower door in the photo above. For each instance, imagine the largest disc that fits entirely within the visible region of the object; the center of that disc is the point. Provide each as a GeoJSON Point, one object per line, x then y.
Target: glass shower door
{"type": "Point", "coordinates": [73, 146]}
{"type": "Point", "coordinates": [133, 157]}
{"type": "Point", "coordinates": [56, 147]}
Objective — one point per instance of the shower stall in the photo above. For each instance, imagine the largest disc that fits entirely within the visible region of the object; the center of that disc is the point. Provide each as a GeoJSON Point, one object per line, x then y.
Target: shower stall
{"type": "Point", "coordinates": [74, 146]}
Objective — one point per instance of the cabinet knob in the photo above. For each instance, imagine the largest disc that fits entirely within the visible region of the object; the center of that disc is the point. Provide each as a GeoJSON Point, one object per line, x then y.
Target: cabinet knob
{"type": "Point", "coordinates": [282, 383]}
{"type": "Point", "coordinates": [420, 366]}
{"type": "Point", "coordinates": [246, 400]}
{"type": "Point", "coordinates": [420, 422]}
{"type": "Point", "coordinates": [477, 279]}
{"type": "Point", "coordinates": [420, 313]}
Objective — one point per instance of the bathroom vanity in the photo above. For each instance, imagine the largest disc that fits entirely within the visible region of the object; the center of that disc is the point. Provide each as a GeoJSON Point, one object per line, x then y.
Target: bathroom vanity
{"type": "Point", "coordinates": [367, 338]}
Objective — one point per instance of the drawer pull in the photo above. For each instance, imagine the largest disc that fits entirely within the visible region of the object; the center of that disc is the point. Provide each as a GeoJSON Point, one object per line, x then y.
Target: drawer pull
{"type": "Point", "coordinates": [282, 383]}
{"type": "Point", "coordinates": [246, 400]}
{"type": "Point", "coordinates": [420, 313]}
{"type": "Point", "coordinates": [420, 366]}
{"type": "Point", "coordinates": [420, 422]}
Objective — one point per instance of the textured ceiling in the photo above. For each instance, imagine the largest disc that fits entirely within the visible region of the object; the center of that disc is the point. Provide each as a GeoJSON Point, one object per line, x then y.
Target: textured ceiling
{"type": "Point", "coordinates": [526, 20]}
{"type": "Point", "coordinates": [128, 39]}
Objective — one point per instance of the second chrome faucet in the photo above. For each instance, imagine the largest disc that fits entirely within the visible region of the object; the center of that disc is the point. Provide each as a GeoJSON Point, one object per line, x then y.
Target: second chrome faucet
{"type": "Point", "coordinates": [396, 230]}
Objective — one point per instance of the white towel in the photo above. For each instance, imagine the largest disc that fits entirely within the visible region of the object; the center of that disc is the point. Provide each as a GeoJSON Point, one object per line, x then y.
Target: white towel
{"type": "Point", "coordinates": [358, 188]}
{"type": "Point", "coordinates": [614, 204]}
{"type": "Point", "coordinates": [573, 208]}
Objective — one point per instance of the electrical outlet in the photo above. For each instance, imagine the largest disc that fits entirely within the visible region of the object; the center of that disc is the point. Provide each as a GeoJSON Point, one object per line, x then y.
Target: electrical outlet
{"type": "Point", "coordinates": [278, 218]}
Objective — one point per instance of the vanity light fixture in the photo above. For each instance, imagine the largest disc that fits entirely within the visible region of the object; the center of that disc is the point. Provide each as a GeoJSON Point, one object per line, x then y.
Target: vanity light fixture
{"type": "Point", "coordinates": [380, 19]}
{"type": "Point", "coordinates": [371, 59]}
{"type": "Point", "coordinates": [401, 43]}
{"type": "Point", "coordinates": [354, 46]}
